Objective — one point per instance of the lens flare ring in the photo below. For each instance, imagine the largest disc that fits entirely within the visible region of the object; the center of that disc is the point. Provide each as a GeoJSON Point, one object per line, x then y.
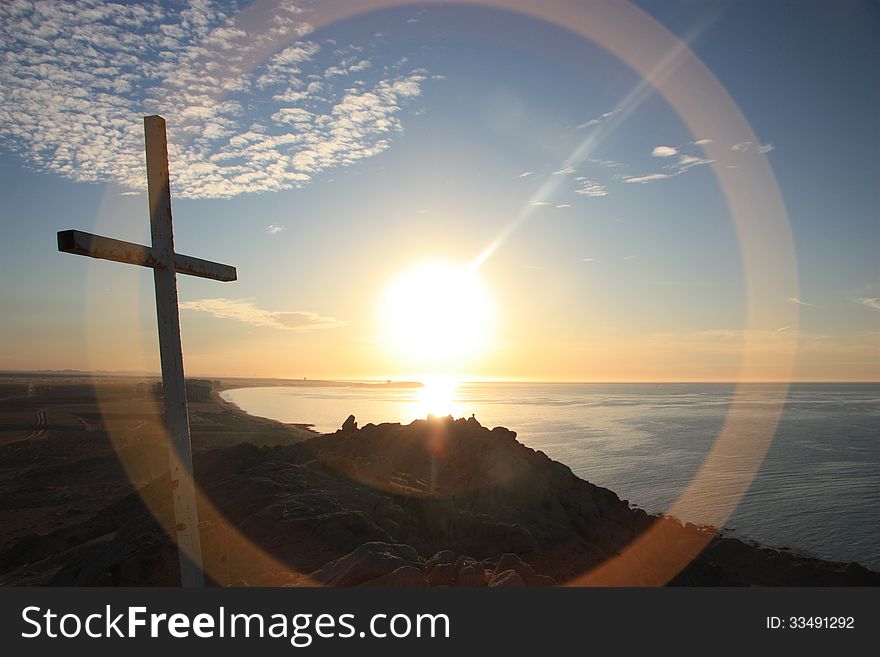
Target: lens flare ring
{"type": "Point", "coordinates": [754, 202]}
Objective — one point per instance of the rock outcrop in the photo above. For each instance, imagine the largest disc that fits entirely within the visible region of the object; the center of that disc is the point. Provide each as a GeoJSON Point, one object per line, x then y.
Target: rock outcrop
{"type": "Point", "coordinates": [371, 563]}
{"type": "Point", "coordinates": [438, 502]}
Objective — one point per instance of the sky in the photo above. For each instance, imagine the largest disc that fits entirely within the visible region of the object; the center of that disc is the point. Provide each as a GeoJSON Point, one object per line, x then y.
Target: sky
{"type": "Point", "coordinates": [322, 160]}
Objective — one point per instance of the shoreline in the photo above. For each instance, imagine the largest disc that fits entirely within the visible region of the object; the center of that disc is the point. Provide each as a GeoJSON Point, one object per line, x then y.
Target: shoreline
{"type": "Point", "coordinates": [722, 532]}
{"type": "Point", "coordinates": [62, 497]}
{"type": "Point", "coordinates": [232, 407]}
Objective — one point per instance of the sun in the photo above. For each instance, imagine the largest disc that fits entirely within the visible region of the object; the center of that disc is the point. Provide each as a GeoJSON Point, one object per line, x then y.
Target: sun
{"type": "Point", "coordinates": [437, 317]}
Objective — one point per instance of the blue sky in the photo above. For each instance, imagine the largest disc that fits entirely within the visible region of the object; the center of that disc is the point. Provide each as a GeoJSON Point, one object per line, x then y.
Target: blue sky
{"type": "Point", "coordinates": [329, 160]}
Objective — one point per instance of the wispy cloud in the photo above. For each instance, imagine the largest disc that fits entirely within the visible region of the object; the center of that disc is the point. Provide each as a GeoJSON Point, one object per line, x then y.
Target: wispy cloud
{"type": "Point", "coordinates": [685, 162]}
{"type": "Point", "coordinates": [563, 205]}
{"type": "Point", "coordinates": [564, 171]}
{"type": "Point", "coordinates": [819, 355]}
{"type": "Point", "coordinates": [733, 340]}
{"type": "Point", "coordinates": [610, 164]}
{"type": "Point", "coordinates": [664, 151]}
{"type": "Point", "coordinates": [748, 146]}
{"type": "Point", "coordinates": [78, 76]}
{"type": "Point", "coordinates": [589, 187]}
{"type": "Point", "coordinates": [701, 142]}
{"type": "Point", "coordinates": [871, 302]}
{"type": "Point", "coordinates": [800, 302]}
{"type": "Point", "coordinates": [597, 120]}
{"type": "Point", "coordinates": [246, 311]}
{"type": "Point", "coordinates": [274, 229]}
{"type": "Point", "coordinates": [525, 174]}
{"type": "Point", "coordinates": [682, 163]}
{"type": "Point", "coordinates": [651, 177]}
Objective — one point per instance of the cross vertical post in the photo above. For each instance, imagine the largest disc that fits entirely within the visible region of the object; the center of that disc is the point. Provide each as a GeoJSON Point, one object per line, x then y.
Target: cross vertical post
{"type": "Point", "coordinates": [166, 264]}
{"type": "Point", "coordinates": [171, 354]}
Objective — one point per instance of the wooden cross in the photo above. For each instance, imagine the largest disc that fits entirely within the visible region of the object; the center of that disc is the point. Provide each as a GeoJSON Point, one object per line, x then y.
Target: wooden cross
{"type": "Point", "coordinates": [165, 264]}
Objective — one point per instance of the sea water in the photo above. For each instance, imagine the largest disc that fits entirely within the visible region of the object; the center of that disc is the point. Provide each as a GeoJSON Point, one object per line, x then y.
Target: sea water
{"type": "Point", "coordinates": [817, 490]}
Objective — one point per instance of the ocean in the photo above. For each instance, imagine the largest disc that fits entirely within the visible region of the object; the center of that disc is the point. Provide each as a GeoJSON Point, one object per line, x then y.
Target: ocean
{"type": "Point", "coordinates": [816, 492]}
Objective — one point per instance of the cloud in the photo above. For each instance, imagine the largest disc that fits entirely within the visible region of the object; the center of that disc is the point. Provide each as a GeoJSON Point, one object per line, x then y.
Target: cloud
{"type": "Point", "coordinates": [590, 188]}
{"type": "Point", "coordinates": [651, 177]}
{"type": "Point", "coordinates": [800, 302]}
{"type": "Point", "coordinates": [563, 172]}
{"type": "Point", "coordinates": [849, 354]}
{"type": "Point", "coordinates": [597, 120]}
{"type": "Point", "coordinates": [362, 65]}
{"type": "Point", "coordinates": [630, 257]}
{"type": "Point", "coordinates": [274, 229]}
{"type": "Point", "coordinates": [539, 204]}
{"type": "Point", "coordinates": [562, 206]}
{"type": "Point", "coordinates": [871, 302]}
{"type": "Point", "coordinates": [606, 163]}
{"type": "Point", "coordinates": [748, 146]}
{"type": "Point", "coordinates": [701, 142]}
{"type": "Point", "coordinates": [733, 340]}
{"type": "Point", "coordinates": [525, 174]}
{"type": "Point", "coordinates": [245, 311]}
{"type": "Point", "coordinates": [664, 151]}
{"type": "Point", "coordinates": [587, 259]}
{"type": "Point", "coordinates": [333, 71]}
{"type": "Point", "coordinates": [683, 163]}
{"type": "Point", "coordinates": [75, 78]}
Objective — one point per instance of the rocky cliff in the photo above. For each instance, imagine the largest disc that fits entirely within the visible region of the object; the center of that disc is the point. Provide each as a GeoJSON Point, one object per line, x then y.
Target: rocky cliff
{"type": "Point", "coordinates": [433, 503]}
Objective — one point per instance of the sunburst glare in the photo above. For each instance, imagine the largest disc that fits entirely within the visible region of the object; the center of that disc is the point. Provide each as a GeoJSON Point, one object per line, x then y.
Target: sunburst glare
{"type": "Point", "coordinates": [437, 317]}
{"type": "Point", "coordinates": [437, 396]}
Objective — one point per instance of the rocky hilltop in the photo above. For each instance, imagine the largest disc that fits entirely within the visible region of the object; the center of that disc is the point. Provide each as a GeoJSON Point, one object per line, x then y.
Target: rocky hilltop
{"type": "Point", "coordinates": [437, 502]}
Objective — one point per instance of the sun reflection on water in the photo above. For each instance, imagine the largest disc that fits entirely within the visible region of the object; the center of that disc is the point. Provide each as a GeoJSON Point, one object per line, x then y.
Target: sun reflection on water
{"type": "Point", "coordinates": [437, 396]}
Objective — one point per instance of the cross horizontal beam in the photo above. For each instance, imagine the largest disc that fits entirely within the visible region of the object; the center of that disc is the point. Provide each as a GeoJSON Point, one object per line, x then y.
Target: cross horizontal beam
{"type": "Point", "coordinates": [106, 248]}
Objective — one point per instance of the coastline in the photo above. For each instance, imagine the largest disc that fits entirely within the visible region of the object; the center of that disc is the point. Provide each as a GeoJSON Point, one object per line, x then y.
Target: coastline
{"type": "Point", "coordinates": [647, 442]}
{"type": "Point", "coordinates": [310, 500]}
{"type": "Point", "coordinates": [235, 409]}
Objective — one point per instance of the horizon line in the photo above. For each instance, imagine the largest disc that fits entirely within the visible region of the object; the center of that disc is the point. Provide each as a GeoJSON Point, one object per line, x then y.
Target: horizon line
{"type": "Point", "coordinates": [398, 379]}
